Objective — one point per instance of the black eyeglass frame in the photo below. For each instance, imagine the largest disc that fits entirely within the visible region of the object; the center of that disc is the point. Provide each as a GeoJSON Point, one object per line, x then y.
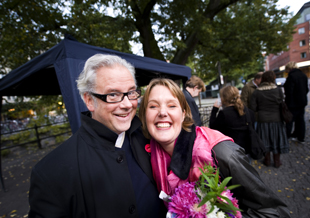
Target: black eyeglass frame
{"type": "Point", "coordinates": [104, 97]}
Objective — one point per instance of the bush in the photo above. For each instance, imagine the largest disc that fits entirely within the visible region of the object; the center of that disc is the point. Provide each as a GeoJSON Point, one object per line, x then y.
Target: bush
{"type": "Point", "coordinates": [5, 152]}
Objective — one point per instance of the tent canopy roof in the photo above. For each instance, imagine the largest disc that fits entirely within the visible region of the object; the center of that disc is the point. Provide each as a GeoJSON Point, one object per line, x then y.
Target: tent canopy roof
{"type": "Point", "coordinates": [38, 76]}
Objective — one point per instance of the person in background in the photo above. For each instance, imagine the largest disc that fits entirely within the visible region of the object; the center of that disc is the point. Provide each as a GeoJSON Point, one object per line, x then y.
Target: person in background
{"type": "Point", "coordinates": [103, 170]}
{"type": "Point", "coordinates": [266, 100]}
{"type": "Point", "coordinates": [231, 121]}
{"type": "Point", "coordinates": [179, 148]}
{"type": "Point", "coordinates": [296, 89]}
{"type": "Point", "coordinates": [193, 87]}
{"type": "Point", "coordinates": [249, 88]}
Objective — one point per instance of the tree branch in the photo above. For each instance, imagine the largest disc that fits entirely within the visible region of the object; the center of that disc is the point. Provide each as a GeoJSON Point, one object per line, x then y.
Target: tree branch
{"type": "Point", "coordinates": [213, 8]}
{"type": "Point", "coordinates": [144, 25]}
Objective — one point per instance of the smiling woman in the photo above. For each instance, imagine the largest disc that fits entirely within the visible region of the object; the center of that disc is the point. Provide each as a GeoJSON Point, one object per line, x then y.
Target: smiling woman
{"type": "Point", "coordinates": [179, 149]}
{"type": "Point", "coordinates": [164, 117]}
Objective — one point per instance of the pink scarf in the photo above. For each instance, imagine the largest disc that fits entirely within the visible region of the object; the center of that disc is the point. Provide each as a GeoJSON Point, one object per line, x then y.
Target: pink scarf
{"type": "Point", "coordinates": [166, 181]}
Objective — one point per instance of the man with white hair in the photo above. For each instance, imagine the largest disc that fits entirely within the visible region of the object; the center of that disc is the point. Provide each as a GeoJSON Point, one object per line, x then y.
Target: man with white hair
{"type": "Point", "coordinates": [103, 170]}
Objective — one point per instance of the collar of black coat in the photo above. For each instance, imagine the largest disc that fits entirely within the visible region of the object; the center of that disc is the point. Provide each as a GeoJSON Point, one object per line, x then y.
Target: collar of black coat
{"type": "Point", "coordinates": [187, 92]}
{"type": "Point", "coordinates": [267, 86]}
{"type": "Point", "coordinates": [181, 159]}
{"type": "Point", "coordinates": [294, 70]}
{"type": "Point", "coordinates": [100, 132]}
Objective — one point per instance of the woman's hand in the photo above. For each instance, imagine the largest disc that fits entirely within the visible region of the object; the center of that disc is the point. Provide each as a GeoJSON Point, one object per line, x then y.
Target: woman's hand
{"type": "Point", "coordinates": [217, 104]}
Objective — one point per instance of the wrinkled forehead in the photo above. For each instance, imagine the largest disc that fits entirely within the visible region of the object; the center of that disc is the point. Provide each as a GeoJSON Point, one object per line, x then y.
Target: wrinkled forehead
{"type": "Point", "coordinates": [115, 78]}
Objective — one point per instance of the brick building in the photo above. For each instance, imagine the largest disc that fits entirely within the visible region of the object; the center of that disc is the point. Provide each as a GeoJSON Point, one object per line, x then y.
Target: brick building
{"type": "Point", "coordinates": [298, 48]}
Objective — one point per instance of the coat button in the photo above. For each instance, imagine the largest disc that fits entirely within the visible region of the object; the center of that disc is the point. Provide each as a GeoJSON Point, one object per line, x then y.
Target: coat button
{"type": "Point", "coordinates": [132, 209]}
{"type": "Point", "coordinates": [120, 159]}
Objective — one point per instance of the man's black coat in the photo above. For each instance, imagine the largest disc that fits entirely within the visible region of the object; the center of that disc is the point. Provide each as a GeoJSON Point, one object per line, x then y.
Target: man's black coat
{"type": "Point", "coordinates": [194, 108]}
{"type": "Point", "coordinates": [296, 89]}
{"type": "Point", "coordinates": [87, 177]}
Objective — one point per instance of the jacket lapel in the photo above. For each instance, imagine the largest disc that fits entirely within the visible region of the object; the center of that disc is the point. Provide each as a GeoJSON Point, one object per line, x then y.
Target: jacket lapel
{"type": "Point", "coordinates": [137, 143]}
{"type": "Point", "coordinates": [181, 159]}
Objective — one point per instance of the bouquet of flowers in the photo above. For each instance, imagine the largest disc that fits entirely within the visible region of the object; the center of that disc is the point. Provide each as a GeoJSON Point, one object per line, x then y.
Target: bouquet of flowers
{"type": "Point", "coordinates": [205, 198]}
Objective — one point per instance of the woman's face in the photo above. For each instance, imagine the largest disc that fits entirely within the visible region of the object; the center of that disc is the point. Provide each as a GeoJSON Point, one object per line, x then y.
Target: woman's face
{"type": "Point", "coordinates": [164, 116]}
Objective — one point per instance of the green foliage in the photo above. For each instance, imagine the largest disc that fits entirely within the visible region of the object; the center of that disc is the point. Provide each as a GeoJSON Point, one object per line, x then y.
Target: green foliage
{"type": "Point", "coordinates": [239, 35]}
{"type": "Point", "coordinates": [17, 138]}
{"type": "Point", "coordinates": [195, 32]}
{"type": "Point", "coordinates": [30, 135]}
{"type": "Point", "coordinates": [211, 189]}
{"type": "Point", "coordinates": [31, 27]}
{"type": "Point", "coordinates": [61, 138]}
{"type": "Point", "coordinates": [5, 152]}
{"type": "Point", "coordinates": [42, 105]}
{"type": "Point", "coordinates": [28, 28]}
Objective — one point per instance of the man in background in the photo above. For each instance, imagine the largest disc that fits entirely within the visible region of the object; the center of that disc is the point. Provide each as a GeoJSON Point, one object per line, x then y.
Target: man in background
{"type": "Point", "coordinates": [296, 89]}
{"type": "Point", "coordinates": [103, 170]}
{"type": "Point", "coordinates": [249, 88]}
{"type": "Point", "coordinates": [193, 87]}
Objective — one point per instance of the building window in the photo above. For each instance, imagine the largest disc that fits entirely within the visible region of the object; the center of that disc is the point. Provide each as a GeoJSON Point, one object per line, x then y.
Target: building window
{"type": "Point", "coordinates": [302, 43]}
{"type": "Point", "coordinates": [308, 17]}
{"type": "Point", "coordinates": [303, 55]}
{"type": "Point", "coordinates": [301, 30]}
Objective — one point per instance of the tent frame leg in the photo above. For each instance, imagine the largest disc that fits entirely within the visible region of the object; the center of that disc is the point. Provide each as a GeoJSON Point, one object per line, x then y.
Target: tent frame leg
{"type": "Point", "coordinates": [1, 178]}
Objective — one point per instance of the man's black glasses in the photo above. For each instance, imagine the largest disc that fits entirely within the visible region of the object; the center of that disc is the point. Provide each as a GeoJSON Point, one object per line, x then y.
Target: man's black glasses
{"type": "Point", "coordinates": [118, 96]}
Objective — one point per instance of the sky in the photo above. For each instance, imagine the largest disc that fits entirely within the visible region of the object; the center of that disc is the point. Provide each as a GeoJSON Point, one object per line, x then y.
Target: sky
{"type": "Point", "coordinates": [294, 5]}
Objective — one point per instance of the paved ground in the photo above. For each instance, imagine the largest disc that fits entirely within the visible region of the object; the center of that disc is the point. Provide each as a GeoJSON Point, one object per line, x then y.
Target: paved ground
{"type": "Point", "coordinates": [16, 171]}
{"type": "Point", "coordinates": [291, 181]}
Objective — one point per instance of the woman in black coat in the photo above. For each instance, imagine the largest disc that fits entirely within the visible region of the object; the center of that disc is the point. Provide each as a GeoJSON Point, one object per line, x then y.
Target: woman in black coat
{"type": "Point", "coordinates": [266, 100]}
{"type": "Point", "coordinates": [231, 121]}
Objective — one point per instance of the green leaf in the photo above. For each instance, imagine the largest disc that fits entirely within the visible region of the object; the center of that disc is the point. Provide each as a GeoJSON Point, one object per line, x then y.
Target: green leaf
{"type": "Point", "coordinates": [224, 182]}
{"type": "Point", "coordinates": [229, 204]}
{"type": "Point", "coordinates": [233, 187]}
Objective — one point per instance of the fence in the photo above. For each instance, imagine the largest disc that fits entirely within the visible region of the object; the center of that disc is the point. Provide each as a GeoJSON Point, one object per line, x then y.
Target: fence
{"type": "Point", "coordinates": [37, 139]}
{"type": "Point", "coordinates": [205, 113]}
{"type": "Point", "coordinates": [36, 133]}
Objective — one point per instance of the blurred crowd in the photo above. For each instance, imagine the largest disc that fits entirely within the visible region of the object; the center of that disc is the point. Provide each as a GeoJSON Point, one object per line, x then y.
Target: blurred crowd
{"type": "Point", "coordinates": [263, 100]}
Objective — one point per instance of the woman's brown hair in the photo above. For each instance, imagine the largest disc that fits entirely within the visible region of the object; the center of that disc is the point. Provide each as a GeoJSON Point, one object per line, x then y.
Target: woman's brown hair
{"type": "Point", "coordinates": [269, 77]}
{"type": "Point", "coordinates": [176, 92]}
{"type": "Point", "coordinates": [230, 95]}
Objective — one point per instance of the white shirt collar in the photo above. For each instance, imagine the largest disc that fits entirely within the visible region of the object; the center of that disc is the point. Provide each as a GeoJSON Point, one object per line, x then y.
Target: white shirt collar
{"type": "Point", "coordinates": [254, 83]}
{"type": "Point", "coordinates": [120, 140]}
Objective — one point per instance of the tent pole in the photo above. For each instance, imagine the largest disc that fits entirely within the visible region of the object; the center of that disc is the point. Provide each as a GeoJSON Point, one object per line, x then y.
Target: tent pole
{"type": "Point", "coordinates": [1, 178]}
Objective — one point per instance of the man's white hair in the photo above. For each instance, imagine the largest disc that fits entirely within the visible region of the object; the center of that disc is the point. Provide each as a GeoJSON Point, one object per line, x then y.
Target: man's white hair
{"type": "Point", "coordinates": [87, 79]}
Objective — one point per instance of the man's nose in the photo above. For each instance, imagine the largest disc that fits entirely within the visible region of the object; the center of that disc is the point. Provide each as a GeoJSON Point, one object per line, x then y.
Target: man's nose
{"type": "Point", "coordinates": [126, 102]}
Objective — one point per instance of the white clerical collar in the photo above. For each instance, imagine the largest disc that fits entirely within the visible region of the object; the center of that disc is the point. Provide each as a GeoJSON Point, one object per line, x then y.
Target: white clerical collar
{"type": "Point", "coordinates": [254, 83]}
{"type": "Point", "coordinates": [120, 140]}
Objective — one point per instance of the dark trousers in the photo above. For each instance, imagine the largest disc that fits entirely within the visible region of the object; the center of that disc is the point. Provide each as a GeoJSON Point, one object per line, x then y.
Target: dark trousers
{"type": "Point", "coordinates": [300, 125]}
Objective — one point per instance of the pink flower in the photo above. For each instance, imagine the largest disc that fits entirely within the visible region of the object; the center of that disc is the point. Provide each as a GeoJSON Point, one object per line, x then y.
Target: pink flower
{"type": "Point", "coordinates": [148, 148]}
{"type": "Point", "coordinates": [184, 203]}
{"type": "Point", "coordinates": [228, 195]}
{"type": "Point", "coordinates": [234, 201]}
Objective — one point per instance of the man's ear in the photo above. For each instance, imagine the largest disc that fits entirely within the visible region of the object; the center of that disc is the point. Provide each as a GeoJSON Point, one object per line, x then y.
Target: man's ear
{"type": "Point", "coordinates": [89, 101]}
